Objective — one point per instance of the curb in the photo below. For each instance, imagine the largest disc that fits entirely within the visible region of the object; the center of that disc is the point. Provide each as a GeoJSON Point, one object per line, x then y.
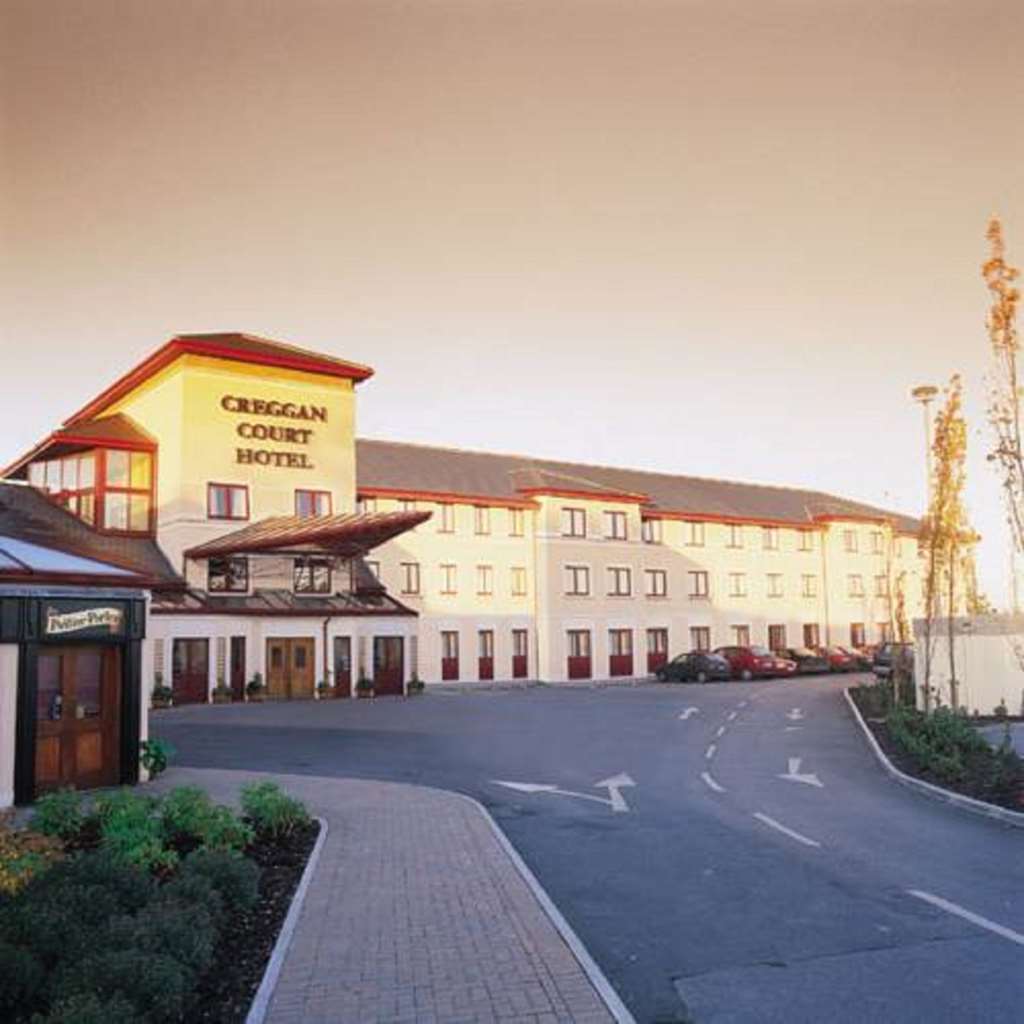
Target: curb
{"type": "Point", "coordinates": [261, 1001]}
{"type": "Point", "coordinates": [603, 987]}
{"type": "Point", "coordinates": [966, 803]}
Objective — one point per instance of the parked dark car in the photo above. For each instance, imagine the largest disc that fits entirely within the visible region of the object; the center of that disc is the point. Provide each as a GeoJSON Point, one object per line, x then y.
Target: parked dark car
{"type": "Point", "coordinates": [861, 661]}
{"type": "Point", "coordinates": [889, 655]}
{"type": "Point", "coordinates": [838, 659]}
{"type": "Point", "coordinates": [695, 667]}
{"type": "Point", "coordinates": [749, 662]}
{"type": "Point", "coordinates": [808, 662]}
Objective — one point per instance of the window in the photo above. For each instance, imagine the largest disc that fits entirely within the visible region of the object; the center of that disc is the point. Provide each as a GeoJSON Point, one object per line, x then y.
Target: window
{"type": "Point", "coordinates": [410, 577]}
{"type": "Point", "coordinates": [579, 643]}
{"type": "Point", "coordinates": [657, 582]}
{"type": "Point", "coordinates": [737, 584]}
{"type": "Point", "coordinates": [897, 547]}
{"type": "Point", "coordinates": [773, 581]}
{"type": "Point", "coordinates": [657, 641]}
{"type": "Point", "coordinates": [809, 586]}
{"type": "Point", "coordinates": [449, 579]}
{"type": "Point", "coordinates": [227, 501]}
{"type": "Point", "coordinates": [855, 585]}
{"type": "Point", "coordinates": [516, 522]}
{"type": "Point", "coordinates": [407, 505]}
{"type": "Point", "coordinates": [884, 632]}
{"type": "Point", "coordinates": [485, 580]}
{"type": "Point", "coordinates": [574, 522]}
{"type": "Point", "coordinates": [650, 531]}
{"type": "Point", "coordinates": [128, 491]}
{"type": "Point", "coordinates": [856, 634]}
{"type": "Point", "coordinates": [446, 519]}
{"type": "Point", "coordinates": [698, 584]}
{"type": "Point", "coordinates": [485, 643]}
{"type": "Point", "coordinates": [313, 575]}
{"type": "Point", "coordinates": [450, 645]}
{"type": "Point", "coordinates": [812, 635]}
{"type": "Point", "coordinates": [312, 503]}
{"type": "Point", "coordinates": [366, 505]}
{"type": "Point", "coordinates": [877, 542]}
{"type": "Point", "coordinates": [881, 586]}
{"type": "Point", "coordinates": [620, 582]}
{"type": "Point", "coordinates": [850, 541]}
{"type": "Point", "coordinates": [518, 581]}
{"type": "Point", "coordinates": [518, 643]}
{"type": "Point", "coordinates": [770, 538]}
{"type": "Point", "coordinates": [777, 638]}
{"type": "Point", "coordinates": [227, 575]}
{"type": "Point", "coordinates": [481, 520]}
{"type": "Point", "coordinates": [735, 536]}
{"type": "Point", "coordinates": [620, 642]}
{"type": "Point", "coordinates": [700, 638]}
{"type": "Point", "coordinates": [577, 580]}
{"type": "Point", "coordinates": [615, 525]}
{"type": "Point", "coordinates": [694, 534]}
{"type": "Point", "coordinates": [72, 481]}
{"type": "Point", "coordinates": [741, 635]}
{"type": "Point", "coordinates": [806, 540]}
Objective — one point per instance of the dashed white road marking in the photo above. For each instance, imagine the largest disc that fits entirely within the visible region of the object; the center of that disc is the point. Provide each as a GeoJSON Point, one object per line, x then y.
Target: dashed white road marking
{"type": "Point", "coordinates": [721, 731]}
{"type": "Point", "coordinates": [710, 752]}
{"type": "Point", "coordinates": [732, 715]}
{"type": "Point", "coordinates": [742, 704]}
{"type": "Point", "coordinates": [711, 783]}
{"type": "Point", "coordinates": [967, 915]}
{"type": "Point", "coordinates": [772, 823]}
{"type": "Point", "coordinates": [689, 711]}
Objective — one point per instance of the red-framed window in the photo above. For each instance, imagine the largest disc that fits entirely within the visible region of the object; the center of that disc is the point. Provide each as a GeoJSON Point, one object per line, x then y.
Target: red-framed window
{"type": "Point", "coordinates": [312, 503]}
{"type": "Point", "coordinates": [127, 491]}
{"type": "Point", "coordinates": [227, 501]}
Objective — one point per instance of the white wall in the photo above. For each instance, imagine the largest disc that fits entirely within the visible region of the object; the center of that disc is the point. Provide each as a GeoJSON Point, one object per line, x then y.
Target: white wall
{"type": "Point", "coordinates": [8, 718]}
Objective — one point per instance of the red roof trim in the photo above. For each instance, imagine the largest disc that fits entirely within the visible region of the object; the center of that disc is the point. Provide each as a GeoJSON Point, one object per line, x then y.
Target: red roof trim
{"type": "Point", "coordinates": [179, 346]}
{"type": "Point", "coordinates": [69, 437]}
{"type": "Point", "coordinates": [445, 497]}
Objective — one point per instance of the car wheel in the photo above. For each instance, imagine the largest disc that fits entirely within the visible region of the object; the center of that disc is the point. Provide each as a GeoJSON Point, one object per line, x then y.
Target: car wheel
{"type": "Point", "coordinates": [702, 677]}
{"type": "Point", "coordinates": [746, 675]}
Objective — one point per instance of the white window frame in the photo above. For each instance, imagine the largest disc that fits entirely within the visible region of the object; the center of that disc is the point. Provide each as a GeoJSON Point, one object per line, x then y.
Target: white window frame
{"type": "Point", "coordinates": [449, 578]}
{"type": "Point", "coordinates": [656, 582]}
{"type": "Point", "coordinates": [616, 575]}
{"type": "Point", "coordinates": [572, 575]}
{"type": "Point", "coordinates": [484, 580]}
{"type": "Point", "coordinates": [574, 522]}
{"type": "Point", "coordinates": [613, 521]}
{"type": "Point", "coordinates": [738, 584]}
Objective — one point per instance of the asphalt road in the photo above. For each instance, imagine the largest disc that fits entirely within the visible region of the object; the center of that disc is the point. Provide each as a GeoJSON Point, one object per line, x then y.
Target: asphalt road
{"type": "Point", "coordinates": [726, 892]}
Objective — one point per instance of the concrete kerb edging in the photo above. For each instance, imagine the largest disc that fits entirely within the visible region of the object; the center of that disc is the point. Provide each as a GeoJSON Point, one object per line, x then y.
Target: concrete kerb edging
{"type": "Point", "coordinates": [966, 803]}
{"type": "Point", "coordinates": [261, 1001]}
{"type": "Point", "coordinates": [603, 987]}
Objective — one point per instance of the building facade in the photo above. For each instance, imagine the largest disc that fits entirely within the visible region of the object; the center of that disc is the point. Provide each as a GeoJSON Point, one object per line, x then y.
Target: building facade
{"type": "Point", "coordinates": [296, 551]}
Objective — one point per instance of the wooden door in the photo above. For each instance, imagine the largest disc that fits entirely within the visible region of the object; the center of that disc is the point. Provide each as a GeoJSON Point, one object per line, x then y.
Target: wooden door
{"type": "Point", "coordinates": [190, 671]}
{"type": "Point", "coordinates": [290, 667]}
{"type": "Point", "coordinates": [388, 665]}
{"type": "Point", "coordinates": [343, 666]}
{"type": "Point", "coordinates": [238, 668]}
{"type": "Point", "coordinates": [78, 717]}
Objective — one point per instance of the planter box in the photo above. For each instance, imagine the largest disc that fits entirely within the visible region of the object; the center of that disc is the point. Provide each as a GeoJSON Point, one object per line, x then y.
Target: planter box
{"type": "Point", "coordinates": [221, 698]}
{"type": "Point", "coordinates": [254, 698]}
{"type": "Point", "coordinates": [160, 702]}
{"type": "Point", "coordinates": [363, 694]}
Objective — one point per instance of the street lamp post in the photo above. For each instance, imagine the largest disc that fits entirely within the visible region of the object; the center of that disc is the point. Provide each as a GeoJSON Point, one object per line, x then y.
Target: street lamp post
{"type": "Point", "coordinates": [925, 394]}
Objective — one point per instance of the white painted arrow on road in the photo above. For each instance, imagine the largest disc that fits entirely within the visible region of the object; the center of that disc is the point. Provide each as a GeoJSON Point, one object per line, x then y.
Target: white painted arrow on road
{"type": "Point", "coordinates": [614, 800]}
{"type": "Point", "coordinates": [795, 715]}
{"type": "Point", "coordinates": [689, 711]}
{"type": "Point", "coordinates": [794, 775]}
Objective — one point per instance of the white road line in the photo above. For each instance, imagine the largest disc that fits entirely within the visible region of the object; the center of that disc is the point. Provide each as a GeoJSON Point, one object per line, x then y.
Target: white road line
{"type": "Point", "coordinates": [786, 831]}
{"type": "Point", "coordinates": [981, 922]}
{"type": "Point", "coordinates": [732, 715]}
{"type": "Point", "coordinates": [710, 782]}
{"type": "Point", "coordinates": [710, 752]}
{"type": "Point", "coordinates": [721, 731]}
{"type": "Point", "coordinates": [742, 704]}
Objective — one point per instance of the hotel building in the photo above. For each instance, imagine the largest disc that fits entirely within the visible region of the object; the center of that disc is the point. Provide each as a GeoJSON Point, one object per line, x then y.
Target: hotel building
{"type": "Point", "coordinates": [276, 542]}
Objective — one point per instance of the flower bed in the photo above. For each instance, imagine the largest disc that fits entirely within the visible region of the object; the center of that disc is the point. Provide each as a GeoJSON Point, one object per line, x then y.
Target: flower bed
{"type": "Point", "coordinates": [145, 910]}
{"type": "Point", "coordinates": [943, 748]}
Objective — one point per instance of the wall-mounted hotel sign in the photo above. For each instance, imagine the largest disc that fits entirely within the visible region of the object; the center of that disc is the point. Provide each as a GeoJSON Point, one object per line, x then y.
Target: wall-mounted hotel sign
{"type": "Point", "coordinates": [105, 620]}
{"type": "Point", "coordinates": [251, 431]}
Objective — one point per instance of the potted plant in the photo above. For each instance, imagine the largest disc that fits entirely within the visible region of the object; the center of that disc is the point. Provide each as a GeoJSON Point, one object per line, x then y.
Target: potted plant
{"type": "Point", "coordinates": [415, 684]}
{"type": "Point", "coordinates": [221, 692]}
{"type": "Point", "coordinates": [161, 696]}
{"type": "Point", "coordinates": [254, 688]}
{"type": "Point", "coordinates": [364, 687]}
{"type": "Point", "coordinates": [324, 690]}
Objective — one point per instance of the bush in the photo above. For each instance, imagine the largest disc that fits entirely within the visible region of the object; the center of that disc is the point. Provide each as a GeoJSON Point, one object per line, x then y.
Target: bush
{"type": "Point", "coordinates": [189, 818]}
{"type": "Point", "coordinates": [21, 977]}
{"type": "Point", "coordinates": [130, 831]}
{"type": "Point", "coordinates": [273, 813]}
{"type": "Point", "coordinates": [155, 755]}
{"type": "Point", "coordinates": [233, 878]}
{"type": "Point", "coordinates": [23, 855]}
{"type": "Point", "coordinates": [183, 930]}
{"type": "Point", "coordinates": [88, 1008]}
{"type": "Point", "coordinates": [59, 814]}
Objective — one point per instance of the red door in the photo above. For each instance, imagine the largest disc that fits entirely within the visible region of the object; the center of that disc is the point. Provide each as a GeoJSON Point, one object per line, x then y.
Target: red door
{"type": "Point", "coordinates": [620, 661]}
{"type": "Point", "coordinates": [238, 668]}
{"type": "Point", "coordinates": [190, 674]}
{"type": "Point", "coordinates": [388, 666]}
{"type": "Point", "coordinates": [579, 654]}
{"type": "Point", "coordinates": [485, 656]}
{"type": "Point", "coordinates": [657, 649]}
{"type": "Point", "coordinates": [343, 666]}
{"type": "Point", "coordinates": [519, 658]}
{"type": "Point", "coordinates": [449, 655]}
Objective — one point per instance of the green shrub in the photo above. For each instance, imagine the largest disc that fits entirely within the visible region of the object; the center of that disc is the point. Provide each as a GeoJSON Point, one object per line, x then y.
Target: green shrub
{"type": "Point", "coordinates": [156, 985]}
{"type": "Point", "coordinates": [88, 1008]}
{"type": "Point", "coordinates": [21, 977]}
{"type": "Point", "coordinates": [155, 755]}
{"type": "Point", "coordinates": [188, 815]}
{"type": "Point", "coordinates": [131, 833]}
{"type": "Point", "coordinates": [234, 878]}
{"type": "Point", "coordinates": [59, 814]}
{"type": "Point", "coordinates": [23, 855]}
{"type": "Point", "coordinates": [272, 812]}
{"type": "Point", "coordinates": [183, 931]}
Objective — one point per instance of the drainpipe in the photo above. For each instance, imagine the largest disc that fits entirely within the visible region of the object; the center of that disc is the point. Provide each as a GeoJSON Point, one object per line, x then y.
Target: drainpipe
{"type": "Point", "coordinates": [327, 676]}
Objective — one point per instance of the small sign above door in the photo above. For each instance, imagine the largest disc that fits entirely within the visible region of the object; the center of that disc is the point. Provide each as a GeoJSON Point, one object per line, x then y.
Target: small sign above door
{"type": "Point", "coordinates": [108, 619]}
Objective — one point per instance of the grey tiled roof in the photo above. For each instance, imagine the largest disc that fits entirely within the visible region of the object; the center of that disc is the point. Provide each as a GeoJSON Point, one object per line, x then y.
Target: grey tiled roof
{"type": "Point", "coordinates": [414, 467]}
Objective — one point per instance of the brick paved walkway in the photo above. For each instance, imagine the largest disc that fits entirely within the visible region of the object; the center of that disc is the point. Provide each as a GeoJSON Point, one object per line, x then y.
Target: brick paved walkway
{"type": "Point", "coordinates": [415, 914]}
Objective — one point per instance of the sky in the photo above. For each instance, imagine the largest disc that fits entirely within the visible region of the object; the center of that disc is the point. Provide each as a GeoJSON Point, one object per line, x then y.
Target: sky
{"type": "Point", "coordinates": [715, 238]}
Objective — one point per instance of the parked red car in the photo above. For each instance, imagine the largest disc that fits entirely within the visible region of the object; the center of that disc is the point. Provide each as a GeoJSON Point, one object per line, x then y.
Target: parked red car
{"type": "Point", "coordinates": [839, 660]}
{"type": "Point", "coordinates": [753, 662]}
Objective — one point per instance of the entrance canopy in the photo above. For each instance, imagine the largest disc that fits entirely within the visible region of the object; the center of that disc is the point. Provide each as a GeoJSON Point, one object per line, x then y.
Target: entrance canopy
{"type": "Point", "coordinates": [345, 536]}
